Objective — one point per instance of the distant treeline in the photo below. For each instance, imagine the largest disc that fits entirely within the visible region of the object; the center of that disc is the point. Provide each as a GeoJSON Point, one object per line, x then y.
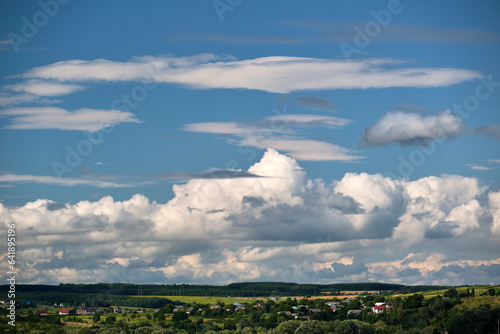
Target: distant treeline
{"type": "Point", "coordinates": [105, 291]}
{"type": "Point", "coordinates": [103, 299]}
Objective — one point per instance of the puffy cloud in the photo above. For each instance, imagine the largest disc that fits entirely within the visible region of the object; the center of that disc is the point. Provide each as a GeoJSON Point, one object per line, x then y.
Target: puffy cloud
{"type": "Point", "coordinates": [494, 202]}
{"type": "Point", "coordinates": [272, 74]}
{"type": "Point", "coordinates": [84, 119]}
{"type": "Point", "coordinates": [440, 206]}
{"type": "Point", "coordinates": [436, 268]}
{"type": "Point", "coordinates": [279, 226]}
{"type": "Point", "coordinates": [412, 129]}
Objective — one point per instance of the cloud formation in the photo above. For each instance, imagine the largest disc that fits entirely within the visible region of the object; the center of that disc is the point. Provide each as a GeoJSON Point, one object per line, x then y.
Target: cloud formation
{"type": "Point", "coordinates": [412, 128]}
{"type": "Point", "coordinates": [313, 102]}
{"type": "Point", "coordinates": [16, 178]}
{"type": "Point", "coordinates": [490, 131]}
{"type": "Point", "coordinates": [280, 132]}
{"type": "Point", "coordinates": [44, 88]}
{"type": "Point", "coordinates": [276, 74]}
{"type": "Point", "coordinates": [282, 226]}
{"type": "Point", "coordinates": [84, 119]}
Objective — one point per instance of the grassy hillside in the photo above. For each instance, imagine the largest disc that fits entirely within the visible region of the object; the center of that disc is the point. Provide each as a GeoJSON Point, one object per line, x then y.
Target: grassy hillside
{"type": "Point", "coordinates": [433, 293]}
{"type": "Point", "coordinates": [476, 302]}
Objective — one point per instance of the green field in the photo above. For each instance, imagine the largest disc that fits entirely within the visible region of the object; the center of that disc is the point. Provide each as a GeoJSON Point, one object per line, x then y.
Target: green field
{"type": "Point", "coordinates": [206, 300]}
{"type": "Point", "coordinates": [478, 290]}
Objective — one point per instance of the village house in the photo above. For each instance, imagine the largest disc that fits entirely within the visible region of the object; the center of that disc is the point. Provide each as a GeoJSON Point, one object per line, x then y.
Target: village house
{"type": "Point", "coordinates": [86, 311]}
{"type": "Point", "coordinates": [63, 311]}
{"type": "Point", "coordinates": [42, 312]}
{"type": "Point", "coordinates": [333, 305]}
{"type": "Point", "coordinates": [238, 306]}
{"type": "Point", "coordinates": [285, 312]}
{"type": "Point", "coordinates": [381, 307]}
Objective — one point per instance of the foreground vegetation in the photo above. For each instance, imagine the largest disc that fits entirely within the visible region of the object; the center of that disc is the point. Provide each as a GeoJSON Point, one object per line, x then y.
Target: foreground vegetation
{"type": "Point", "coordinates": [454, 310]}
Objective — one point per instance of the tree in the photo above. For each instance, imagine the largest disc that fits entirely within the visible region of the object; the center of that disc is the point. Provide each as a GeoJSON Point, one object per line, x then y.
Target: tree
{"type": "Point", "coordinates": [414, 301]}
{"type": "Point", "coordinates": [451, 293]}
{"type": "Point", "coordinates": [287, 327]}
{"type": "Point", "coordinates": [169, 308]}
{"type": "Point", "coordinates": [229, 325]}
{"type": "Point", "coordinates": [96, 317]}
{"type": "Point", "coordinates": [354, 305]}
{"type": "Point", "coordinates": [312, 327]}
{"type": "Point", "coordinates": [179, 316]}
{"type": "Point", "coordinates": [110, 319]}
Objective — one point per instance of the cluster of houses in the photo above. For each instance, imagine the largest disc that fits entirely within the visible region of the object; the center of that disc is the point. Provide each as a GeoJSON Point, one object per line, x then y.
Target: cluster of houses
{"type": "Point", "coordinates": [66, 311]}
{"type": "Point", "coordinates": [377, 308]}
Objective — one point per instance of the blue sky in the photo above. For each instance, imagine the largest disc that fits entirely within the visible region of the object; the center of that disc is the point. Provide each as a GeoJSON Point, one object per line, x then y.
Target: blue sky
{"type": "Point", "coordinates": [206, 142]}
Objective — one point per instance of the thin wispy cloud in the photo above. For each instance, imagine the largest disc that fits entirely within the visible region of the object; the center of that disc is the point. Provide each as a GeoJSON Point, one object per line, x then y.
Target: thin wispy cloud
{"type": "Point", "coordinates": [313, 102]}
{"type": "Point", "coordinates": [84, 119]}
{"type": "Point", "coordinates": [43, 88]}
{"type": "Point", "coordinates": [279, 132]}
{"type": "Point", "coordinates": [4, 45]}
{"type": "Point", "coordinates": [478, 167]}
{"type": "Point", "coordinates": [9, 99]}
{"type": "Point", "coordinates": [491, 131]}
{"type": "Point", "coordinates": [335, 31]}
{"type": "Point", "coordinates": [212, 174]}
{"type": "Point", "coordinates": [68, 182]}
{"type": "Point", "coordinates": [272, 74]}
{"type": "Point", "coordinates": [301, 148]}
{"type": "Point", "coordinates": [238, 39]}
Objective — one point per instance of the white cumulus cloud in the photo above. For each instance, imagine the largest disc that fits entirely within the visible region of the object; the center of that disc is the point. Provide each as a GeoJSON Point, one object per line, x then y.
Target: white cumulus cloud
{"type": "Point", "coordinates": [412, 128]}
{"type": "Point", "coordinates": [280, 226]}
